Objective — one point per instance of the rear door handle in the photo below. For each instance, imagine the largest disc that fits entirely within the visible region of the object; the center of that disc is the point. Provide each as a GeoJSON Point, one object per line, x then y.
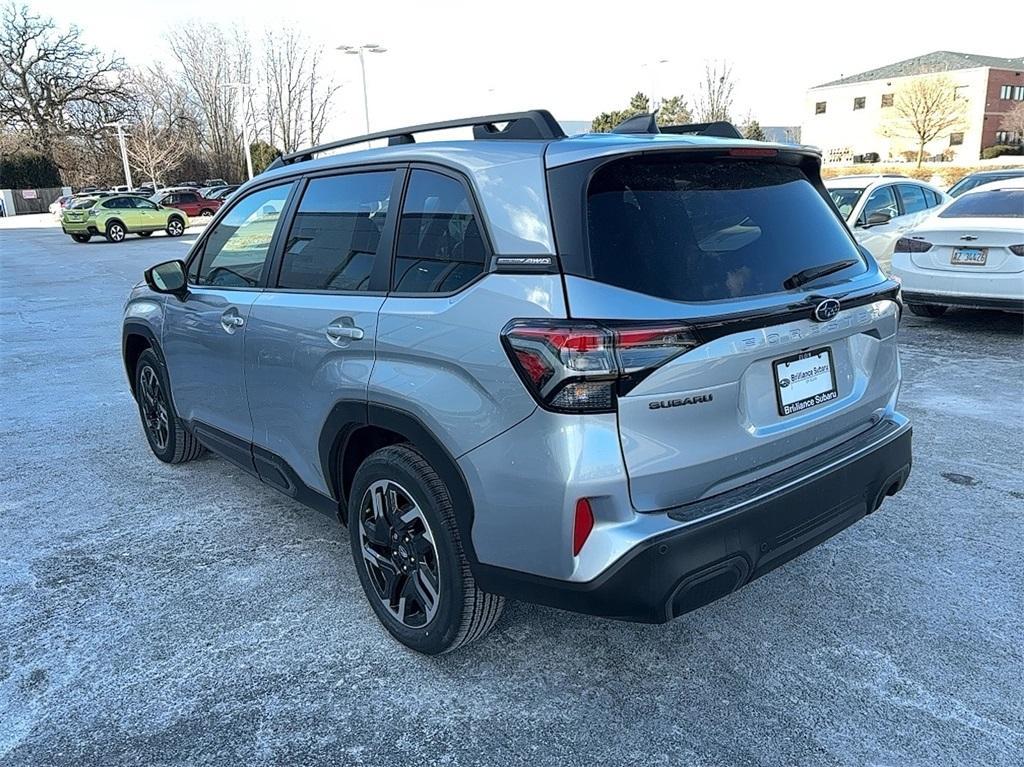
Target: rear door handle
{"type": "Point", "coordinates": [336, 331]}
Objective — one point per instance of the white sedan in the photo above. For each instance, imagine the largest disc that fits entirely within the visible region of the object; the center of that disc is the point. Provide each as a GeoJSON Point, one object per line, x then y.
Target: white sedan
{"type": "Point", "coordinates": [881, 209]}
{"type": "Point", "coordinates": [970, 253]}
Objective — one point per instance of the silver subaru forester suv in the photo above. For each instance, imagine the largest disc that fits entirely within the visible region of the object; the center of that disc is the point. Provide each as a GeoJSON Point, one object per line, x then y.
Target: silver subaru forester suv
{"type": "Point", "coordinates": [623, 374]}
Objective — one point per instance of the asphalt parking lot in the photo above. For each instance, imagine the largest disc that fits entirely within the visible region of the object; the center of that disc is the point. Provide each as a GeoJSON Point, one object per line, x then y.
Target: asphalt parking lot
{"type": "Point", "coordinates": [162, 615]}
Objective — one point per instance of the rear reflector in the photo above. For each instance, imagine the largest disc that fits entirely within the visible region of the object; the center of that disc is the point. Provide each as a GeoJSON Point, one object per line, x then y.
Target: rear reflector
{"type": "Point", "coordinates": [583, 524]}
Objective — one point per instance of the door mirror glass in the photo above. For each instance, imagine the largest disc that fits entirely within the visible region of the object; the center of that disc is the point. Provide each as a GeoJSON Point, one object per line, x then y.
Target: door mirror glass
{"type": "Point", "coordinates": [168, 277]}
{"type": "Point", "coordinates": [877, 218]}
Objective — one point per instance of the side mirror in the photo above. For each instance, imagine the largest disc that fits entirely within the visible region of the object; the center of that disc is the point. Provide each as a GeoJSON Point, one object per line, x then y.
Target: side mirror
{"type": "Point", "coordinates": [878, 218]}
{"type": "Point", "coordinates": [169, 278]}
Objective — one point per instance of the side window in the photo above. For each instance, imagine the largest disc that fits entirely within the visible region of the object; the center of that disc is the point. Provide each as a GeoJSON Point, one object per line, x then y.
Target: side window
{"type": "Point", "coordinates": [334, 236]}
{"type": "Point", "coordinates": [932, 197]}
{"type": "Point", "coordinates": [882, 200]}
{"type": "Point", "coordinates": [144, 204]}
{"type": "Point", "coordinates": [114, 202]}
{"type": "Point", "coordinates": [912, 197]}
{"type": "Point", "coordinates": [237, 247]}
{"type": "Point", "coordinates": [440, 246]}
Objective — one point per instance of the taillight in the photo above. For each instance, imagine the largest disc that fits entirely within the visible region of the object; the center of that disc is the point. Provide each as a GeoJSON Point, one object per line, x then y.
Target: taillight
{"type": "Point", "coordinates": [580, 366]}
{"type": "Point", "coordinates": [583, 525]}
{"type": "Point", "coordinates": [753, 151]}
{"type": "Point", "coordinates": [907, 245]}
{"type": "Point", "coordinates": [1017, 250]}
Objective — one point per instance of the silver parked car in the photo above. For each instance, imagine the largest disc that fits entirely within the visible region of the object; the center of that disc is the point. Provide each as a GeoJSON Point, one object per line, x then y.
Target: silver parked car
{"type": "Point", "coordinates": [623, 374]}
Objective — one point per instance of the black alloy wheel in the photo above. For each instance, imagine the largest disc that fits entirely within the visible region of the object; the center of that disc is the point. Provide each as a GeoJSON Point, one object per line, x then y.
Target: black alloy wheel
{"type": "Point", "coordinates": [401, 559]}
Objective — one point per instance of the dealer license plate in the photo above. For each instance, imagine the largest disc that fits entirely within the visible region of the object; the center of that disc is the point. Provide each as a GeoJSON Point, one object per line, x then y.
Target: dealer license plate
{"type": "Point", "coordinates": [805, 380]}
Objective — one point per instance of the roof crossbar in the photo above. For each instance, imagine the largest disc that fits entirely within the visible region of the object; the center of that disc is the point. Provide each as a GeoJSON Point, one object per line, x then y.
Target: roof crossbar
{"type": "Point", "coordinates": [647, 124]}
{"type": "Point", "coordinates": [535, 124]}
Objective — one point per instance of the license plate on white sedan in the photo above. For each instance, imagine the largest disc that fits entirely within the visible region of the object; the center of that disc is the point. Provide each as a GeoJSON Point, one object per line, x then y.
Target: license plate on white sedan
{"type": "Point", "coordinates": [805, 380]}
{"type": "Point", "coordinates": [969, 256]}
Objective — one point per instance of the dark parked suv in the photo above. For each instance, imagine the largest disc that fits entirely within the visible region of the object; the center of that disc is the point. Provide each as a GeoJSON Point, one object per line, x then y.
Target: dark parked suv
{"type": "Point", "coordinates": [623, 374]}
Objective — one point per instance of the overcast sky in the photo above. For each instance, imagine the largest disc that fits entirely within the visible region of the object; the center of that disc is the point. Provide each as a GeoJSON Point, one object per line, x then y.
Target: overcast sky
{"type": "Point", "coordinates": [449, 58]}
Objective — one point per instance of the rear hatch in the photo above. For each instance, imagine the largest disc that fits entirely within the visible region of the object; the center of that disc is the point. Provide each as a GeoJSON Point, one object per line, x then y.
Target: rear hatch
{"type": "Point", "coordinates": [749, 331]}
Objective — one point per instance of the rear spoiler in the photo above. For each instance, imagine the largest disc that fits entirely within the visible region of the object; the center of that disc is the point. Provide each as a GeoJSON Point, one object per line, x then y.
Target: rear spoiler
{"type": "Point", "coordinates": [648, 123]}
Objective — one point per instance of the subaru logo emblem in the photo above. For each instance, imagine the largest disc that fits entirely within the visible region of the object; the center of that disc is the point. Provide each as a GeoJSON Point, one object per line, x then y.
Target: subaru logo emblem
{"type": "Point", "coordinates": [826, 310]}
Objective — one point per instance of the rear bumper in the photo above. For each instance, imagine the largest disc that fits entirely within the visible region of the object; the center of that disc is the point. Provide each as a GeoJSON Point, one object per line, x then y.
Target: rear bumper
{"type": "Point", "coordinates": [727, 541]}
{"type": "Point", "coordinates": [970, 302]}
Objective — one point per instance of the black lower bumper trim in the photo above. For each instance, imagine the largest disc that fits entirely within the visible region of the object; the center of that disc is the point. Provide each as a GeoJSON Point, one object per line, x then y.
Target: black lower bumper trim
{"type": "Point", "coordinates": [706, 559]}
{"type": "Point", "coordinates": [966, 302]}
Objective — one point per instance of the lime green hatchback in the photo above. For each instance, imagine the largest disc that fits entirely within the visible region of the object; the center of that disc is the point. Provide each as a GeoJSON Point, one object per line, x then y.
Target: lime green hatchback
{"type": "Point", "coordinates": [117, 216]}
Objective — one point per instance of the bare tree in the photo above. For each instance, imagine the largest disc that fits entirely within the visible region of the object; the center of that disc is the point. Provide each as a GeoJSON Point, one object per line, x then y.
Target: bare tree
{"type": "Point", "coordinates": [53, 85]}
{"type": "Point", "coordinates": [298, 95]}
{"type": "Point", "coordinates": [210, 59]}
{"type": "Point", "coordinates": [715, 93]}
{"type": "Point", "coordinates": [924, 109]}
{"type": "Point", "coordinates": [1013, 121]}
{"type": "Point", "coordinates": [162, 133]}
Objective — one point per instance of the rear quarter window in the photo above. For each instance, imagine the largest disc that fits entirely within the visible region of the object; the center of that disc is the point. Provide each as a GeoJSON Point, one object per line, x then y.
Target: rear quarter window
{"type": "Point", "coordinates": [707, 230]}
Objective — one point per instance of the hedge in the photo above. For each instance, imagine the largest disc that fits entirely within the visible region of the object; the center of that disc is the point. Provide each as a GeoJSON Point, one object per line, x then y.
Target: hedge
{"type": "Point", "coordinates": [28, 170]}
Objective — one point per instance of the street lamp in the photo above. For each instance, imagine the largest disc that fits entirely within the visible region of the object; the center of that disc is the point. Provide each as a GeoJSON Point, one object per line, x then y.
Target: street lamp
{"type": "Point", "coordinates": [653, 65]}
{"type": "Point", "coordinates": [245, 125]}
{"type": "Point", "coordinates": [124, 152]}
{"type": "Point", "coordinates": [359, 50]}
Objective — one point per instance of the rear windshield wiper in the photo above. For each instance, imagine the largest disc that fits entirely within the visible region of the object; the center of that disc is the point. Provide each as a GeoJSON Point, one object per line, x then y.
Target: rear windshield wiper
{"type": "Point", "coordinates": [812, 273]}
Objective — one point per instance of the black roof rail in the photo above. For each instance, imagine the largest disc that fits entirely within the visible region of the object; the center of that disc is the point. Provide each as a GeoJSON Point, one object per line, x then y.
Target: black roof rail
{"type": "Point", "coordinates": [648, 123]}
{"type": "Point", "coordinates": [535, 124]}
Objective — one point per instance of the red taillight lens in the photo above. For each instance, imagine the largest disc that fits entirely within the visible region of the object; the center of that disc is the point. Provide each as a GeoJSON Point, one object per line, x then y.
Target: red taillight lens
{"type": "Point", "coordinates": [751, 151]}
{"type": "Point", "coordinates": [1017, 250]}
{"type": "Point", "coordinates": [583, 525]}
{"type": "Point", "coordinates": [907, 245]}
{"type": "Point", "coordinates": [578, 366]}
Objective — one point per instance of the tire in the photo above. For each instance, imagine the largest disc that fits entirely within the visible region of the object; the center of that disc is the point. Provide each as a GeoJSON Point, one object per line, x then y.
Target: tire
{"type": "Point", "coordinates": [206, 213]}
{"type": "Point", "coordinates": [168, 438]}
{"type": "Point", "coordinates": [175, 227]}
{"type": "Point", "coordinates": [433, 554]}
{"type": "Point", "coordinates": [116, 232]}
{"type": "Point", "coordinates": [927, 310]}
{"type": "Point", "coordinates": [145, 234]}
{"type": "Point", "coordinates": [81, 237]}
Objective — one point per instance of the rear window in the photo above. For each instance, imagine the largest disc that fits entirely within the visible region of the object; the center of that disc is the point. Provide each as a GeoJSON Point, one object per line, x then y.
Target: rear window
{"type": "Point", "coordinates": [708, 230]}
{"type": "Point", "coordinates": [1005, 203]}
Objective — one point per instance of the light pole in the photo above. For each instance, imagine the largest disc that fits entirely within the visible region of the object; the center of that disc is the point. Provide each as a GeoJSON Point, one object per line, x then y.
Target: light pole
{"type": "Point", "coordinates": [245, 124]}
{"type": "Point", "coordinates": [653, 65]}
{"type": "Point", "coordinates": [124, 152]}
{"type": "Point", "coordinates": [359, 50]}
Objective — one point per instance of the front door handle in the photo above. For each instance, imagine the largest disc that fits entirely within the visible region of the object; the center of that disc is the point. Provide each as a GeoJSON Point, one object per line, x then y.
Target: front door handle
{"type": "Point", "coordinates": [231, 320]}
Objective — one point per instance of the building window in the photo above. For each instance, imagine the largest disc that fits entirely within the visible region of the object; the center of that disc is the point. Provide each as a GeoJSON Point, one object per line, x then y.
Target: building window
{"type": "Point", "coordinates": [1012, 92]}
{"type": "Point", "coordinates": [1005, 92]}
{"type": "Point", "coordinates": [956, 139]}
{"type": "Point", "coordinates": [1008, 137]}
{"type": "Point", "coordinates": [1018, 93]}
{"type": "Point", "coordinates": [858, 103]}
{"type": "Point", "coordinates": [886, 99]}
{"type": "Point", "coordinates": [819, 108]}
{"type": "Point", "coordinates": [960, 91]}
